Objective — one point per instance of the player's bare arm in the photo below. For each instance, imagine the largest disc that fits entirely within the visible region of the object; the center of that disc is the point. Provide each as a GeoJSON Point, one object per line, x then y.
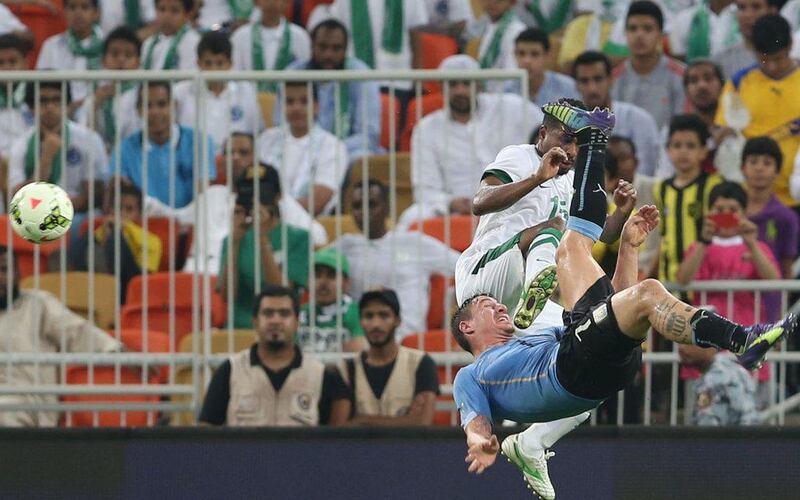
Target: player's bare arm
{"type": "Point", "coordinates": [634, 233]}
{"type": "Point", "coordinates": [482, 445]}
{"type": "Point", "coordinates": [494, 196]}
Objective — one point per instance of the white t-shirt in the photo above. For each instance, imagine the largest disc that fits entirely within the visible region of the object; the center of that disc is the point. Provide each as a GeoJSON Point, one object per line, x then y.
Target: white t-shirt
{"type": "Point", "coordinates": [186, 51]}
{"type": "Point", "coordinates": [791, 12]}
{"type": "Point", "coordinates": [9, 23]}
{"type": "Point", "coordinates": [505, 60]}
{"type": "Point", "coordinates": [448, 157]}
{"type": "Point", "coordinates": [85, 149]}
{"type": "Point", "coordinates": [443, 12]}
{"type": "Point", "coordinates": [242, 42]}
{"type": "Point", "coordinates": [14, 122]}
{"type": "Point", "coordinates": [233, 110]}
{"type": "Point", "coordinates": [724, 29]}
{"type": "Point", "coordinates": [55, 54]}
{"type": "Point", "coordinates": [317, 158]}
{"type": "Point", "coordinates": [124, 109]}
{"type": "Point", "coordinates": [548, 200]}
{"type": "Point", "coordinates": [415, 14]}
{"type": "Point", "coordinates": [403, 261]}
{"type": "Point", "coordinates": [112, 13]}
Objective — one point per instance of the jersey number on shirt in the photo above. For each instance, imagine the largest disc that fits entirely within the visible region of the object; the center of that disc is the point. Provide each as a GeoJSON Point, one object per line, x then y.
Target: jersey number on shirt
{"type": "Point", "coordinates": [559, 208]}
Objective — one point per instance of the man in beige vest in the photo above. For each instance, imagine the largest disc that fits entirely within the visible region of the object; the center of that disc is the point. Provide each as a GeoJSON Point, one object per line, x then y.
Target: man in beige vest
{"type": "Point", "coordinates": [272, 383]}
{"type": "Point", "coordinates": [36, 321]}
{"type": "Point", "coordinates": [391, 385]}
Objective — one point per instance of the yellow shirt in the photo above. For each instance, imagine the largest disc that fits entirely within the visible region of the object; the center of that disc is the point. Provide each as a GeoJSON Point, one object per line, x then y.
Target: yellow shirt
{"type": "Point", "coordinates": [577, 34]}
{"type": "Point", "coordinates": [772, 104]}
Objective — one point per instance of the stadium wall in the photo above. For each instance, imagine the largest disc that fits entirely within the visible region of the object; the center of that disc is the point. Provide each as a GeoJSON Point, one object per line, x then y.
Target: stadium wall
{"type": "Point", "coordinates": [592, 463]}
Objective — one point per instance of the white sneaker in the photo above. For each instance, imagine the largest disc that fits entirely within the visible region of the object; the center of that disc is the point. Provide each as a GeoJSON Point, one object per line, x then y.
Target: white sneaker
{"type": "Point", "coordinates": [534, 470]}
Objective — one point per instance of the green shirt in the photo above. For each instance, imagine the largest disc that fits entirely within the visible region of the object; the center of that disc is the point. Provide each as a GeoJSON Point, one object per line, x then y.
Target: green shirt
{"type": "Point", "coordinates": [325, 337]}
{"type": "Point", "coordinates": [297, 254]}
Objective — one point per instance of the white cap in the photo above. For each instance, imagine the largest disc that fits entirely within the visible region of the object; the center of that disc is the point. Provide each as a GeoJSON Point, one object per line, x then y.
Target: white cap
{"type": "Point", "coordinates": [461, 62]}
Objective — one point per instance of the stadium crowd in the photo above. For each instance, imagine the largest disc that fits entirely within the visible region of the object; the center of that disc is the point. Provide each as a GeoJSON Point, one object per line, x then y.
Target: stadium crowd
{"type": "Point", "coordinates": [708, 130]}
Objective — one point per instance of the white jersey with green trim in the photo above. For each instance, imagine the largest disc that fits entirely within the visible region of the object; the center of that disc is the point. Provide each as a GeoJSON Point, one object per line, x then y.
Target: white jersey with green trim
{"type": "Point", "coordinates": [548, 200]}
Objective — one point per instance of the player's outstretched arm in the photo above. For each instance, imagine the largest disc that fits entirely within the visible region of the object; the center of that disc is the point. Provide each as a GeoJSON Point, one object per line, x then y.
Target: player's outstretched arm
{"type": "Point", "coordinates": [494, 195]}
{"type": "Point", "coordinates": [482, 445]}
{"type": "Point", "coordinates": [634, 233]}
{"type": "Point", "coordinates": [625, 200]}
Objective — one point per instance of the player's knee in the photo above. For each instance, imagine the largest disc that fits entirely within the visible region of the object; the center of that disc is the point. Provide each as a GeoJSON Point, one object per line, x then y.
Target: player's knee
{"type": "Point", "coordinates": [650, 292]}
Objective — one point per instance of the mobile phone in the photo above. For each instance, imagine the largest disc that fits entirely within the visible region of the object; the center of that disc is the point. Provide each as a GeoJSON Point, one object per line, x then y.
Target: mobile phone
{"type": "Point", "coordinates": [725, 221]}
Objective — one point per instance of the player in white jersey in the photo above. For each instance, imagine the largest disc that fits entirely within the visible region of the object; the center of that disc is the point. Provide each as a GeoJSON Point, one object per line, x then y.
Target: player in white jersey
{"type": "Point", "coordinates": [523, 200]}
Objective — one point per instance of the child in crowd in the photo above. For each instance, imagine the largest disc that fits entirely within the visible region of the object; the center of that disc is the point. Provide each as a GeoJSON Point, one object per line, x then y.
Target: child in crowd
{"type": "Point", "coordinates": [532, 51]}
{"type": "Point", "coordinates": [497, 42]}
{"type": "Point", "coordinates": [174, 45]}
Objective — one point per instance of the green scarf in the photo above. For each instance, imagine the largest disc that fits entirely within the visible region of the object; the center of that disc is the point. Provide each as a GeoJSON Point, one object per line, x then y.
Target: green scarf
{"type": "Point", "coordinates": [393, 21]}
{"type": "Point", "coordinates": [391, 35]}
{"type": "Point", "coordinates": [172, 52]}
{"type": "Point", "coordinates": [556, 21]}
{"type": "Point", "coordinates": [109, 120]}
{"type": "Point", "coordinates": [241, 9]}
{"type": "Point", "coordinates": [17, 96]}
{"type": "Point", "coordinates": [699, 42]}
{"type": "Point", "coordinates": [283, 59]}
{"type": "Point", "coordinates": [55, 165]}
{"type": "Point", "coordinates": [133, 15]}
{"type": "Point", "coordinates": [343, 116]}
{"type": "Point", "coordinates": [493, 51]}
{"type": "Point", "coordinates": [92, 53]}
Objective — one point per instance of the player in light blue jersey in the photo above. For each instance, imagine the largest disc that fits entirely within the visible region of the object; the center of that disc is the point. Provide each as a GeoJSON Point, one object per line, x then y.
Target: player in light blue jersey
{"type": "Point", "coordinates": [560, 372]}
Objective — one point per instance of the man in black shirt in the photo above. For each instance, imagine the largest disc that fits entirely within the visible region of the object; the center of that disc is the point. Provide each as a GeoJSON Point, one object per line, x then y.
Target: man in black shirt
{"type": "Point", "coordinates": [296, 391]}
{"type": "Point", "coordinates": [391, 385]}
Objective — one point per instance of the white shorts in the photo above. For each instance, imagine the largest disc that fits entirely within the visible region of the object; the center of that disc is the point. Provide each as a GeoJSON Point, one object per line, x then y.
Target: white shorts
{"type": "Point", "coordinates": [499, 271]}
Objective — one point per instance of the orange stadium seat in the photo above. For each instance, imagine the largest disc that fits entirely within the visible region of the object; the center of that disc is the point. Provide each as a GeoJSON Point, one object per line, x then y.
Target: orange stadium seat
{"type": "Point", "coordinates": [25, 251]}
{"type": "Point", "coordinates": [106, 375]}
{"type": "Point", "coordinates": [42, 22]}
{"type": "Point", "coordinates": [430, 103]}
{"type": "Point", "coordinates": [298, 12]}
{"type": "Point", "coordinates": [461, 230]}
{"type": "Point", "coordinates": [434, 49]}
{"type": "Point", "coordinates": [437, 309]}
{"type": "Point", "coordinates": [386, 108]}
{"type": "Point", "coordinates": [157, 342]}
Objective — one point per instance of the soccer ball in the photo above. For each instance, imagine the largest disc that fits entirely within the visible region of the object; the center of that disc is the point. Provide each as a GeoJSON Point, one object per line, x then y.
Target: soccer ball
{"type": "Point", "coordinates": [40, 212]}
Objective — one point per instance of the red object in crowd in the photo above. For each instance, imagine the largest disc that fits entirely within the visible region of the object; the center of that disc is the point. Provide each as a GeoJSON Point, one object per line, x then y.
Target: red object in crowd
{"type": "Point", "coordinates": [42, 22]}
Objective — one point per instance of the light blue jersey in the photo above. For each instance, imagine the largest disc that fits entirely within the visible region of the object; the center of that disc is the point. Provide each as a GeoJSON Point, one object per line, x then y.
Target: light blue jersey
{"type": "Point", "coordinates": [517, 381]}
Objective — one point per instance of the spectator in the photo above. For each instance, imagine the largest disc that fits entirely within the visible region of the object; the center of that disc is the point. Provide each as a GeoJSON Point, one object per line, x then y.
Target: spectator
{"type": "Point", "coordinates": [224, 14]}
{"type": "Point", "coordinates": [69, 154]}
{"type": "Point", "coordinates": [169, 147]}
{"type": "Point", "coordinates": [272, 43]}
{"type": "Point", "coordinates": [336, 321]}
{"type": "Point", "coordinates": [229, 105]}
{"type": "Point", "coordinates": [313, 159]}
{"type": "Point", "coordinates": [398, 259]}
{"type": "Point", "coordinates": [703, 29]}
{"type": "Point", "coordinates": [448, 17]}
{"type": "Point", "coordinates": [120, 52]}
{"type": "Point", "coordinates": [391, 385]}
{"type": "Point", "coordinates": [763, 99]}
{"type": "Point", "coordinates": [684, 196]}
{"type": "Point", "coordinates": [297, 390]}
{"type": "Point", "coordinates": [140, 249]}
{"type": "Point", "coordinates": [174, 45]}
{"type": "Point", "coordinates": [15, 117]}
{"type": "Point", "coordinates": [78, 48]}
{"type": "Point", "coordinates": [137, 15]}
{"type": "Point", "coordinates": [593, 32]}
{"type": "Point", "coordinates": [35, 321]}
{"type": "Point", "coordinates": [592, 72]}
{"type": "Point", "coordinates": [549, 16]}
{"type": "Point", "coordinates": [269, 258]}
{"type": "Point", "coordinates": [329, 52]}
{"type": "Point", "coordinates": [497, 41]}
{"type": "Point", "coordinates": [778, 225]}
{"type": "Point", "coordinates": [649, 79]}
{"type": "Point", "coordinates": [725, 394]}
{"type": "Point", "coordinates": [532, 52]}
{"type": "Point", "coordinates": [448, 153]}
{"type": "Point", "coordinates": [729, 252]}
{"type": "Point", "coordinates": [743, 53]}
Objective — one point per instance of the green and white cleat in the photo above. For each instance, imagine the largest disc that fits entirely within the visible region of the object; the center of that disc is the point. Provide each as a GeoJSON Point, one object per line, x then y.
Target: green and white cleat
{"type": "Point", "coordinates": [535, 297]}
{"type": "Point", "coordinates": [534, 470]}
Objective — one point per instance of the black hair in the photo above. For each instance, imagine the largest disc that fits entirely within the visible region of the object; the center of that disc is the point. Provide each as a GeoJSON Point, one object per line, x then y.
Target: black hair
{"type": "Point", "coordinates": [763, 146]}
{"type": "Point", "coordinates": [314, 90]}
{"type": "Point", "coordinates": [14, 42]}
{"type": "Point", "coordinates": [30, 90]}
{"type": "Point", "coordinates": [771, 33]}
{"type": "Point", "coordinates": [464, 313]}
{"type": "Point", "coordinates": [129, 189]}
{"type": "Point", "coordinates": [626, 140]}
{"type": "Point", "coordinates": [269, 186]}
{"type": "Point", "coordinates": [591, 57]}
{"type": "Point", "coordinates": [276, 291]}
{"type": "Point", "coordinates": [534, 35]}
{"type": "Point", "coordinates": [703, 62]}
{"type": "Point", "coordinates": [124, 34]}
{"type": "Point", "coordinates": [551, 121]}
{"type": "Point", "coordinates": [188, 5]}
{"type": "Point", "coordinates": [646, 8]}
{"type": "Point", "coordinates": [95, 4]}
{"type": "Point", "coordinates": [216, 42]}
{"type": "Point", "coordinates": [247, 135]}
{"type": "Point", "coordinates": [385, 296]}
{"type": "Point", "coordinates": [730, 191]}
{"type": "Point", "coordinates": [611, 166]}
{"type": "Point", "coordinates": [330, 24]}
{"type": "Point", "coordinates": [150, 86]}
{"type": "Point", "coordinates": [690, 122]}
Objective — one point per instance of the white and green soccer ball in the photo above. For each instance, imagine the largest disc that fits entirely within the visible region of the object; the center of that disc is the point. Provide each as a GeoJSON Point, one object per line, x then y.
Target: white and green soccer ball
{"type": "Point", "coordinates": [40, 212]}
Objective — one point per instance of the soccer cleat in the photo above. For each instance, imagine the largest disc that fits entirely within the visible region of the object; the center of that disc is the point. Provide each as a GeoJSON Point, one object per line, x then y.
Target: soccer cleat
{"type": "Point", "coordinates": [761, 338]}
{"type": "Point", "coordinates": [576, 119]}
{"type": "Point", "coordinates": [535, 297]}
{"type": "Point", "coordinates": [534, 470]}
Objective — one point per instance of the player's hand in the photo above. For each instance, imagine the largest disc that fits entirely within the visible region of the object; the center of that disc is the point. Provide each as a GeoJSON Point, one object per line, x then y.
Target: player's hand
{"type": "Point", "coordinates": [482, 454]}
{"type": "Point", "coordinates": [551, 163]}
{"type": "Point", "coordinates": [625, 197]}
{"type": "Point", "coordinates": [640, 225]}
